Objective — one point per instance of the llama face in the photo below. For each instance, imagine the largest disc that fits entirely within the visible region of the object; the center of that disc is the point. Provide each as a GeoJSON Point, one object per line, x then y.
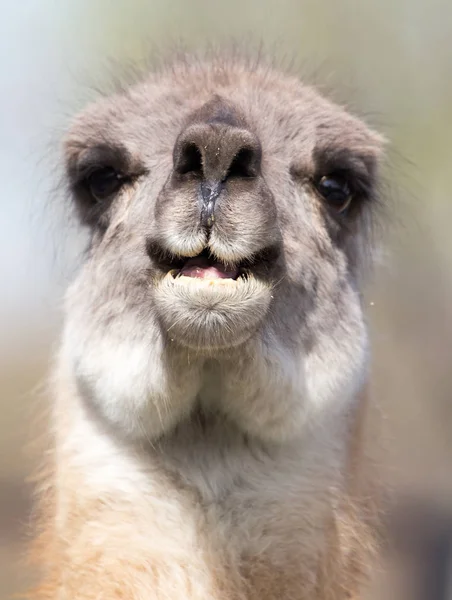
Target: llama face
{"type": "Point", "coordinates": [229, 213]}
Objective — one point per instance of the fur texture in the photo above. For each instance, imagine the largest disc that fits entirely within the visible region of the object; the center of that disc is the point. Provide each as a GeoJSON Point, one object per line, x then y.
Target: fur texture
{"type": "Point", "coordinates": [207, 431]}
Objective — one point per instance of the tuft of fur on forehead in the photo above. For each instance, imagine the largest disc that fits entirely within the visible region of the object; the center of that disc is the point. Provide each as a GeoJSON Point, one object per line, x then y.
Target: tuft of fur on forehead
{"type": "Point", "coordinates": [186, 81]}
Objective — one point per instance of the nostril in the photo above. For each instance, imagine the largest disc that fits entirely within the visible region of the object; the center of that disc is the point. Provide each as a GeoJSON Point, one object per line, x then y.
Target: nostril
{"type": "Point", "coordinates": [245, 163]}
{"type": "Point", "coordinates": [188, 159]}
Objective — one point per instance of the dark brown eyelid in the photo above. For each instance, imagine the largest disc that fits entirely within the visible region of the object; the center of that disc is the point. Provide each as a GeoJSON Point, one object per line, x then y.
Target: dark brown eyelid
{"type": "Point", "coordinates": [99, 157]}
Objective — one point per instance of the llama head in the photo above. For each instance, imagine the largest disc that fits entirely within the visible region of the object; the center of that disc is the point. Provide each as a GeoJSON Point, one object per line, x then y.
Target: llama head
{"type": "Point", "coordinates": [230, 213]}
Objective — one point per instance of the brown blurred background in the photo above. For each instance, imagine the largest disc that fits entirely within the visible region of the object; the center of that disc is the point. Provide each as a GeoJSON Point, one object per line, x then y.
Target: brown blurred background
{"type": "Point", "coordinates": [391, 60]}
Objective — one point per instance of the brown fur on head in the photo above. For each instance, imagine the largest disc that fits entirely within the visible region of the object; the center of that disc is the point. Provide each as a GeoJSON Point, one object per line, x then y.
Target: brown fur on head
{"type": "Point", "coordinates": [215, 350]}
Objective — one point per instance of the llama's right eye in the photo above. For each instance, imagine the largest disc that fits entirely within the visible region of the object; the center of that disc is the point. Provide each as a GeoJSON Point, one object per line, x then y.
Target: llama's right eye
{"type": "Point", "coordinates": [336, 191]}
{"type": "Point", "coordinates": [104, 182]}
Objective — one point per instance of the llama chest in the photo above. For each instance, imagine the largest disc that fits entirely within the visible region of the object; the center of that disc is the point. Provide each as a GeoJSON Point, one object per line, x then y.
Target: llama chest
{"type": "Point", "coordinates": [253, 500]}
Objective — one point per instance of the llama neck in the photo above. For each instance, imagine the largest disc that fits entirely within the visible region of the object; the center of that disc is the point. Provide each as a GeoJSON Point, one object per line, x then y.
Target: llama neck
{"type": "Point", "coordinates": [261, 513]}
{"type": "Point", "coordinates": [206, 452]}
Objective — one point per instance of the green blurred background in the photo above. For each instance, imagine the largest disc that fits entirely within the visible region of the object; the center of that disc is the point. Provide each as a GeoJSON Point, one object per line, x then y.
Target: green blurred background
{"type": "Point", "coordinates": [391, 60]}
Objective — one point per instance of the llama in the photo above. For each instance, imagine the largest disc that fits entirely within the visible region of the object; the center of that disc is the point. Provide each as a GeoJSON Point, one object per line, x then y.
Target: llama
{"type": "Point", "coordinates": [211, 386]}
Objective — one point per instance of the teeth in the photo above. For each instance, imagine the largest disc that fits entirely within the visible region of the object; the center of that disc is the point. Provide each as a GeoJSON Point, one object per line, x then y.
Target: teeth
{"type": "Point", "coordinates": [176, 276]}
{"type": "Point", "coordinates": [206, 281]}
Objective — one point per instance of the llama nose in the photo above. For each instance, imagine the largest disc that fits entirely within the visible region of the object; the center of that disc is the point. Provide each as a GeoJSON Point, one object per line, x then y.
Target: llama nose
{"type": "Point", "coordinates": [216, 153]}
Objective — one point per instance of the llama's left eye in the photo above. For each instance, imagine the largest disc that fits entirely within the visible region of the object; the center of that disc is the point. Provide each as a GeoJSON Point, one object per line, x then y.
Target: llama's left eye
{"type": "Point", "coordinates": [336, 192]}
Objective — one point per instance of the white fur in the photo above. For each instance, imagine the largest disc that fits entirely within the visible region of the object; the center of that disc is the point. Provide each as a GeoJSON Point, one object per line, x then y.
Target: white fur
{"type": "Point", "coordinates": [124, 378]}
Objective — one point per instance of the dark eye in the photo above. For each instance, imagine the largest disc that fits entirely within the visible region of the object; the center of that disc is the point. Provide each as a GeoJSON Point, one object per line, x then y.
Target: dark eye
{"type": "Point", "coordinates": [104, 182]}
{"type": "Point", "coordinates": [336, 191]}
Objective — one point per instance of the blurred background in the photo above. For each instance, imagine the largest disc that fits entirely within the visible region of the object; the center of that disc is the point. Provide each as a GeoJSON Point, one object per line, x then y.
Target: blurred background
{"type": "Point", "coordinates": [391, 60]}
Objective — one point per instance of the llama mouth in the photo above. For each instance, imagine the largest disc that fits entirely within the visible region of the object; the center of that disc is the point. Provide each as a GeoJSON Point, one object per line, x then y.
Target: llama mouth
{"type": "Point", "coordinates": [207, 266]}
{"type": "Point", "coordinates": [206, 304]}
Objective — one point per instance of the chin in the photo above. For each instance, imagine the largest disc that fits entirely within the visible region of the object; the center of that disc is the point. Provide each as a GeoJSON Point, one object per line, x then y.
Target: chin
{"type": "Point", "coordinates": [208, 315]}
